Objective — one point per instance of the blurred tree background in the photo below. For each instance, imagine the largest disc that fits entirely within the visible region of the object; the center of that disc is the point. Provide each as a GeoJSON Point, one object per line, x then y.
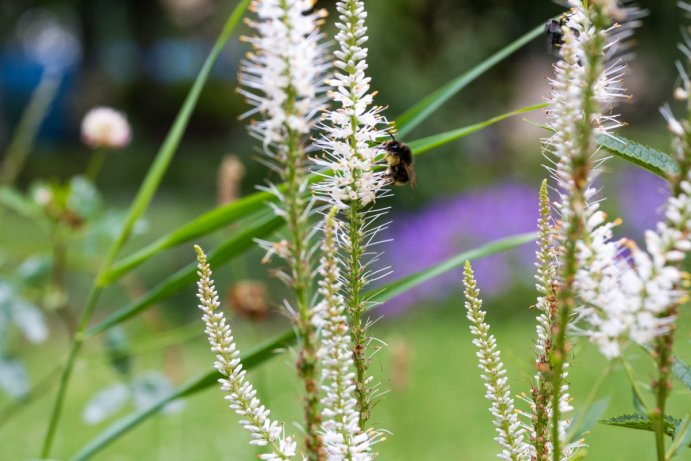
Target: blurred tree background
{"type": "Point", "coordinates": [142, 56]}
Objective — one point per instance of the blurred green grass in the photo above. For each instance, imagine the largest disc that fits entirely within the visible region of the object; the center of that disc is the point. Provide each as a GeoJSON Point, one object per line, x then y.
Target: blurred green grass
{"type": "Point", "coordinates": [436, 409]}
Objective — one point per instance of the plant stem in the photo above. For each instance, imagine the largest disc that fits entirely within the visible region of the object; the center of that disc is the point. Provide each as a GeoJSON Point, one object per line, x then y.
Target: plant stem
{"type": "Point", "coordinates": [95, 164]}
{"type": "Point", "coordinates": [67, 372]}
{"type": "Point", "coordinates": [580, 167]}
{"type": "Point", "coordinates": [357, 307]}
{"type": "Point", "coordinates": [27, 129]}
{"type": "Point", "coordinates": [302, 282]}
{"type": "Point", "coordinates": [138, 207]}
{"type": "Point", "coordinates": [664, 345]}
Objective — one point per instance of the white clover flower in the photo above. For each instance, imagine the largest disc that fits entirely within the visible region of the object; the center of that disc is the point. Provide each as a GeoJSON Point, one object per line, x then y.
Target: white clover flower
{"type": "Point", "coordinates": [106, 127]}
{"type": "Point", "coordinates": [351, 131]}
{"type": "Point", "coordinates": [242, 396]}
{"type": "Point", "coordinates": [342, 437]}
{"type": "Point", "coordinates": [510, 432]}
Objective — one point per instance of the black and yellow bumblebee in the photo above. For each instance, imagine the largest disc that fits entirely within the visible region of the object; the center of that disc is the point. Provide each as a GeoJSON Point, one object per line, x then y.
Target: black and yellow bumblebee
{"type": "Point", "coordinates": [399, 158]}
{"type": "Point", "coordinates": [555, 32]}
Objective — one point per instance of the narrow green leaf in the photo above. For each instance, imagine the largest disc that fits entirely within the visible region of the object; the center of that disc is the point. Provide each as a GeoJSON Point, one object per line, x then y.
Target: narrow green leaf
{"type": "Point", "coordinates": [682, 438]}
{"type": "Point", "coordinates": [641, 422]}
{"type": "Point", "coordinates": [651, 159]}
{"type": "Point", "coordinates": [404, 284]}
{"type": "Point", "coordinates": [204, 224]}
{"type": "Point", "coordinates": [420, 146]}
{"type": "Point", "coordinates": [266, 350]}
{"type": "Point", "coordinates": [420, 111]}
{"type": "Point", "coordinates": [172, 141]}
{"type": "Point", "coordinates": [593, 415]}
{"type": "Point", "coordinates": [185, 277]}
{"type": "Point", "coordinates": [638, 404]}
{"type": "Point", "coordinates": [682, 371]}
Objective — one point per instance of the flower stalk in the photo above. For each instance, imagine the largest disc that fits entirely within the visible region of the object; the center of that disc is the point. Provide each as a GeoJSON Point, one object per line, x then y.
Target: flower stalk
{"type": "Point", "coordinates": [350, 131]}
{"type": "Point", "coordinates": [281, 78]}
{"type": "Point", "coordinates": [242, 396]}
{"type": "Point", "coordinates": [510, 434]}
{"type": "Point", "coordinates": [581, 88]}
{"type": "Point", "coordinates": [342, 435]}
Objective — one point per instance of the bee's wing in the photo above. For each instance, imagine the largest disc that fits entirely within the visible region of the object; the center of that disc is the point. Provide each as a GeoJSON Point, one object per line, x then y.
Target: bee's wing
{"type": "Point", "coordinates": [411, 174]}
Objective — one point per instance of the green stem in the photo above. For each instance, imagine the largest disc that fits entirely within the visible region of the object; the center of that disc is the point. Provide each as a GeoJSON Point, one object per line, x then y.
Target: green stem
{"type": "Point", "coordinates": [357, 307]}
{"type": "Point", "coordinates": [27, 129]}
{"type": "Point", "coordinates": [67, 372]}
{"type": "Point", "coordinates": [581, 165]}
{"type": "Point", "coordinates": [302, 282]}
{"type": "Point", "coordinates": [355, 302]}
{"type": "Point", "coordinates": [95, 164]}
{"type": "Point", "coordinates": [58, 288]}
{"type": "Point", "coordinates": [663, 350]}
{"type": "Point", "coordinates": [634, 385]}
{"type": "Point", "coordinates": [138, 208]}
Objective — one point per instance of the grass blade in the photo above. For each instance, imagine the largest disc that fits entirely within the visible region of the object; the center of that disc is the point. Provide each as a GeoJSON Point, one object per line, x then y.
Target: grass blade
{"type": "Point", "coordinates": [172, 141]}
{"type": "Point", "coordinates": [420, 111]}
{"type": "Point", "coordinates": [423, 145]}
{"type": "Point", "coordinates": [185, 277]}
{"type": "Point", "coordinates": [203, 225]}
{"type": "Point", "coordinates": [265, 351]}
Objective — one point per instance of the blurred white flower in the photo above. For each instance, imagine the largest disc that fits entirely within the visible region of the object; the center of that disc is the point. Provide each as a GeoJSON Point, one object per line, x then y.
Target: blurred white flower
{"type": "Point", "coordinates": [106, 127]}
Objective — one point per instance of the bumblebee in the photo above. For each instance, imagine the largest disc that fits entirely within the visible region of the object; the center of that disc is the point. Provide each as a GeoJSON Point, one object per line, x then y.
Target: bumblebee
{"type": "Point", "coordinates": [555, 32]}
{"type": "Point", "coordinates": [399, 157]}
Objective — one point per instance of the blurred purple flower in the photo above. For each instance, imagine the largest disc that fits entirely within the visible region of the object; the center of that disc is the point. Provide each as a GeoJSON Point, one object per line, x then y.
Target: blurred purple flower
{"type": "Point", "coordinates": [641, 197]}
{"type": "Point", "coordinates": [447, 227]}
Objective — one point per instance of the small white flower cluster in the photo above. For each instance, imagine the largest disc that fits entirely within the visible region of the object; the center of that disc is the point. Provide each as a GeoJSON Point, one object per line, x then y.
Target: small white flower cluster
{"type": "Point", "coordinates": [602, 274]}
{"type": "Point", "coordinates": [241, 394]}
{"type": "Point", "coordinates": [343, 439]}
{"type": "Point", "coordinates": [282, 77]}
{"type": "Point", "coordinates": [351, 131]}
{"type": "Point", "coordinates": [106, 127]}
{"type": "Point", "coordinates": [623, 292]}
{"type": "Point", "coordinates": [510, 432]}
{"type": "Point", "coordinates": [625, 296]}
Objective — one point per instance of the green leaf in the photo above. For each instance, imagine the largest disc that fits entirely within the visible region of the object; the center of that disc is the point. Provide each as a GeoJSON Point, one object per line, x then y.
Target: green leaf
{"type": "Point", "coordinates": [651, 159]}
{"type": "Point", "coordinates": [642, 423]}
{"type": "Point", "coordinates": [682, 371]}
{"type": "Point", "coordinates": [243, 239]}
{"type": "Point", "coordinates": [592, 416]}
{"type": "Point", "coordinates": [204, 224]}
{"type": "Point", "coordinates": [430, 142]}
{"type": "Point", "coordinates": [411, 281]}
{"type": "Point", "coordinates": [682, 438]}
{"type": "Point", "coordinates": [266, 350]}
{"type": "Point", "coordinates": [638, 404]}
{"type": "Point", "coordinates": [422, 110]}
{"type": "Point", "coordinates": [11, 199]}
